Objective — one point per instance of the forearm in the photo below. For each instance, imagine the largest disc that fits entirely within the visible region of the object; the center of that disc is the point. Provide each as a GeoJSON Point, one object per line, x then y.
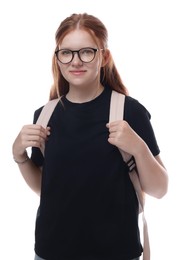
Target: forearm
{"type": "Point", "coordinates": [31, 174]}
{"type": "Point", "coordinates": [152, 173]}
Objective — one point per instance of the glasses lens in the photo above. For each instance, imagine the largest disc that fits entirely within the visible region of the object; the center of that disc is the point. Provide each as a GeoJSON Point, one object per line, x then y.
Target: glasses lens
{"type": "Point", "coordinates": [64, 56]}
{"type": "Point", "coordinates": [87, 54]}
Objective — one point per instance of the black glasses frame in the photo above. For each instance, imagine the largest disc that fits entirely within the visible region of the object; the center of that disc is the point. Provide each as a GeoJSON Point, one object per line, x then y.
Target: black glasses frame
{"type": "Point", "coordinates": [78, 53]}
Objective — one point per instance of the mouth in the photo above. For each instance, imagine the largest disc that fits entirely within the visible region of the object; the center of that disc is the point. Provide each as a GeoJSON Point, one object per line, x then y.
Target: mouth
{"type": "Point", "coordinates": [77, 72]}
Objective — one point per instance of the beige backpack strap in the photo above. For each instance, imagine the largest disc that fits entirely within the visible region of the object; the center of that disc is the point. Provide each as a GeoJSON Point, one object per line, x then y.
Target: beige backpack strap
{"type": "Point", "coordinates": [45, 115]}
{"type": "Point", "coordinates": [117, 113]}
{"type": "Point", "coordinates": [47, 112]}
{"type": "Point", "coordinates": [116, 106]}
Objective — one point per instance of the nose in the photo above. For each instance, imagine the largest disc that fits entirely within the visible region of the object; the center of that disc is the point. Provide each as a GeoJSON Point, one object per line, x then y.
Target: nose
{"type": "Point", "coordinates": [76, 59]}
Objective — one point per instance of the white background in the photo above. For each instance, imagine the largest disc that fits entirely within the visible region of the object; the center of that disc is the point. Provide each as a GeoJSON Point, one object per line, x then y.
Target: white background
{"type": "Point", "coordinates": [144, 44]}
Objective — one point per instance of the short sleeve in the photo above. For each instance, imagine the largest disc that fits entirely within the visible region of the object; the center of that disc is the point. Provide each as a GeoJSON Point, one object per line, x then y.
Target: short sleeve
{"type": "Point", "coordinates": [139, 118]}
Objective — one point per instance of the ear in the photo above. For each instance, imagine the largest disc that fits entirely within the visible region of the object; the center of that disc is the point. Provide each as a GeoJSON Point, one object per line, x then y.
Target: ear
{"type": "Point", "coordinates": [105, 57]}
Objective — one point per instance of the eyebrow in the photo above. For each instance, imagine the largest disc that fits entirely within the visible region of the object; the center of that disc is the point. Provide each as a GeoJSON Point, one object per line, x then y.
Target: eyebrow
{"type": "Point", "coordinates": [72, 49]}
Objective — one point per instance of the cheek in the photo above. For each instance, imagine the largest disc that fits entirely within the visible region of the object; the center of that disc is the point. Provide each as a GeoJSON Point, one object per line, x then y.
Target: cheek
{"type": "Point", "coordinates": [99, 63]}
{"type": "Point", "coordinates": [62, 70]}
{"type": "Point", "coordinates": [95, 71]}
{"type": "Point", "coordinates": [98, 66]}
{"type": "Point", "coordinates": [64, 73]}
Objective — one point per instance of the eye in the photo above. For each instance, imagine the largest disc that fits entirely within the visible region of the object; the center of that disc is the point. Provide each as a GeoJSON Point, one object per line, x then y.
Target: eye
{"type": "Point", "coordinates": [65, 52]}
{"type": "Point", "coordinates": [87, 51]}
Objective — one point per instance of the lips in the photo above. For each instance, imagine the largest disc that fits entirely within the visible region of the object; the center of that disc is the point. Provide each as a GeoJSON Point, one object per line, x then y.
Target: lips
{"type": "Point", "coordinates": [77, 72]}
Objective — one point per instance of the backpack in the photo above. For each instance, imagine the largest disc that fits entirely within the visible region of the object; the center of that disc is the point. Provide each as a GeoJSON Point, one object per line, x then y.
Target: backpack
{"type": "Point", "coordinates": [116, 113]}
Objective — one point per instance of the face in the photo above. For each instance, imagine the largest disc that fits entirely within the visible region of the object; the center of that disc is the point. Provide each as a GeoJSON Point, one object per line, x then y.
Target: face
{"type": "Point", "coordinates": [77, 72]}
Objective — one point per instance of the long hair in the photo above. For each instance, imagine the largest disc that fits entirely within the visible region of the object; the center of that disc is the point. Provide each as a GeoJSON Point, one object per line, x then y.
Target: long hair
{"type": "Point", "coordinates": [109, 75]}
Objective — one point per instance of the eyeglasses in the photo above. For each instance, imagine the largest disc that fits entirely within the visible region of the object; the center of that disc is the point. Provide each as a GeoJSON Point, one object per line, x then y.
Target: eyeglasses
{"type": "Point", "coordinates": [85, 55]}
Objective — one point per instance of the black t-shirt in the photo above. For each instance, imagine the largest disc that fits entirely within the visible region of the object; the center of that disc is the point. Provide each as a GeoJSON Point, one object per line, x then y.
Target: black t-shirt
{"type": "Point", "coordinates": [88, 207]}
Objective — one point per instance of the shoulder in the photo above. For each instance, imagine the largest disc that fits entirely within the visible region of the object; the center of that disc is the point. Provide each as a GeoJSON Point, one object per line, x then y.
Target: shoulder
{"type": "Point", "coordinates": [134, 108]}
{"type": "Point", "coordinates": [36, 114]}
{"type": "Point", "coordinates": [47, 109]}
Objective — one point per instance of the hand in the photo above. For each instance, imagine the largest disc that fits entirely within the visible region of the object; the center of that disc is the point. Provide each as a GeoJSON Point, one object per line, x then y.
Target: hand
{"type": "Point", "coordinates": [29, 136]}
{"type": "Point", "coordinates": [124, 137]}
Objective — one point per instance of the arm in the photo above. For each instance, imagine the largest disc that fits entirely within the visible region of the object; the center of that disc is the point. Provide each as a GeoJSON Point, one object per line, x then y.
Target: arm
{"type": "Point", "coordinates": [30, 135]}
{"type": "Point", "coordinates": [31, 174]}
{"type": "Point", "coordinates": [153, 175]}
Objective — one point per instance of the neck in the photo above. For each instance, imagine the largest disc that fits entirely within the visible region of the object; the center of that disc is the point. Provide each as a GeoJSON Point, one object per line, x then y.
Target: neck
{"type": "Point", "coordinates": [84, 95]}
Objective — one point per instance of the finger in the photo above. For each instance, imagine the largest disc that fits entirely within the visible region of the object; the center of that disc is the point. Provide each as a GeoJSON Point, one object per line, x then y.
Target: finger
{"type": "Point", "coordinates": [48, 130]}
{"type": "Point", "coordinates": [36, 137]}
{"type": "Point", "coordinates": [114, 129]}
{"type": "Point", "coordinates": [33, 143]}
{"type": "Point", "coordinates": [39, 132]}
